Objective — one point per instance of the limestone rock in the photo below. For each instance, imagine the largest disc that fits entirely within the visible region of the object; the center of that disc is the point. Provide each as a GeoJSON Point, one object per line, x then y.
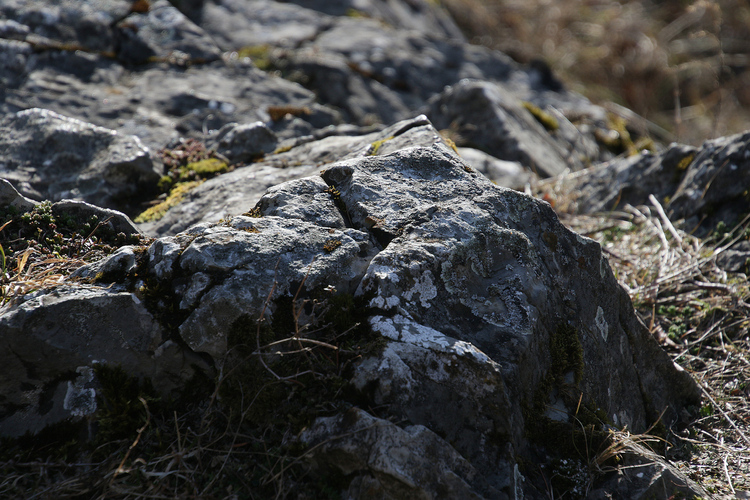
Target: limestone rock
{"type": "Point", "coordinates": [699, 187]}
{"type": "Point", "coordinates": [510, 174]}
{"type": "Point", "coordinates": [489, 117]}
{"type": "Point", "coordinates": [611, 185]}
{"type": "Point", "coordinates": [163, 32]}
{"type": "Point", "coordinates": [51, 341]}
{"type": "Point", "coordinates": [10, 197]}
{"type": "Point", "coordinates": [502, 327]}
{"type": "Point", "coordinates": [237, 192]}
{"type": "Point", "coordinates": [242, 143]}
{"type": "Point", "coordinates": [388, 461]}
{"type": "Point", "coordinates": [50, 156]}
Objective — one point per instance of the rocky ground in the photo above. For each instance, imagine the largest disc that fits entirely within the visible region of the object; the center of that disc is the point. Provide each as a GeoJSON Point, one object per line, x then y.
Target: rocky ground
{"type": "Point", "coordinates": [257, 249]}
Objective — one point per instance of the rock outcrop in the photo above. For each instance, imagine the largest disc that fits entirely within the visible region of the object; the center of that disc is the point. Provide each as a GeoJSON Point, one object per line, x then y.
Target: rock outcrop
{"type": "Point", "coordinates": [502, 327]}
{"type": "Point", "coordinates": [487, 337]}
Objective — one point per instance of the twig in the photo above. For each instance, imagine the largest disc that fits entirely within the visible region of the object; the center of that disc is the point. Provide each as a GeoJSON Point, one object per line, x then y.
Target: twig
{"type": "Point", "coordinates": [729, 478]}
{"type": "Point", "coordinates": [664, 218]}
{"type": "Point", "coordinates": [120, 468]}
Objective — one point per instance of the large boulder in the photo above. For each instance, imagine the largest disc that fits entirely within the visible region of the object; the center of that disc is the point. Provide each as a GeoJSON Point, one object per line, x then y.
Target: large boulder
{"type": "Point", "coordinates": [506, 338]}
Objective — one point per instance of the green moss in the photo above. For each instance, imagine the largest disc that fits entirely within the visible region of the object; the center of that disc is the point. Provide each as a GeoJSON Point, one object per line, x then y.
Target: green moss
{"type": "Point", "coordinates": [375, 146]}
{"type": "Point", "coordinates": [173, 199]}
{"type": "Point", "coordinates": [547, 120]}
{"type": "Point", "coordinates": [566, 353]}
{"type": "Point", "coordinates": [203, 169]}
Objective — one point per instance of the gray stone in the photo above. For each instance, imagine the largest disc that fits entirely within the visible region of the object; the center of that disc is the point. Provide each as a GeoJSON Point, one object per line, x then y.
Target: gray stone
{"type": "Point", "coordinates": [163, 33]}
{"type": "Point", "coordinates": [158, 104]}
{"type": "Point", "coordinates": [242, 143]}
{"type": "Point", "coordinates": [121, 263]}
{"type": "Point", "coordinates": [488, 117]}
{"type": "Point", "coordinates": [262, 259]}
{"type": "Point", "coordinates": [698, 187]}
{"type": "Point", "coordinates": [387, 461]}
{"type": "Point", "coordinates": [510, 174]}
{"type": "Point", "coordinates": [476, 289]}
{"type": "Point", "coordinates": [612, 185]}
{"type": "Point", "coordinates": [10, 197]}
{"type": "Point", "coordinates": [715, 185]}
{"type": "Point", "coordinates": [117, 221]}
{"type": "Point", "coordinates": [85, 24]}
{"type": "Point", "coordinates": [51, 341]}
{"type": "Point", "coordinates": [643, 475]}
{"type": "Point", "coordinates": [238, 191]}
{"type": "Point", "coordinates": [735, 259]}
{"type": "Point", "coordinates": [50, 156]}
{"type": "Point", "coordinates": [416, 15]}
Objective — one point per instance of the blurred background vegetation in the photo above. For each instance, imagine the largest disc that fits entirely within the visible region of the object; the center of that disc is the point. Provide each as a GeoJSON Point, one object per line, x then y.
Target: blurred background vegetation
{"type": "Point", "coordinates": [682, 65]}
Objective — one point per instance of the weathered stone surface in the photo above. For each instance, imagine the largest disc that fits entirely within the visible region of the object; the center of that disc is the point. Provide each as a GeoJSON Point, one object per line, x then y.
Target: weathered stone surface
{"type": "Point", "coordinates": [157, 103]}
{"type": "Point", "coordinates": [501, 330]}
{"type": "Point", "coordinates": [266, 258]}
{"type": "Point", "coordinates": [508, 174]}
{"type": "Point", "coordinates": [163, 33]}
{"type": "Point", "coordinates": [238, 191]}
{"type": "Point", "coordinates": [242, 143]}
{"type": "Point", "coordinates": [502, 325]}
{"type": "Point", "coordinates": [51, 341]}
{"type": "Point", "coordinates": [10, 197]}
{"type": "Point", "coordinates": [611, 185]}
{"type": "Point", "coordinates": [388, 461]}
{"type": "Point", "coordinates": [117, 221]}
{"type": "Point", "coordinates": [643, 475]}
{"type": "Point", "coordinates": [487, 116]}
{"type": "Point", "coordinates": [415, 15]}
{"type": "Point", "coordinates": [50, 156]}
{"type": "Point", "coordinates": [715, 185]}
{"type": "Point", "coordinates": [699, 187]}
{"type": "Point", "coordinates": [86, 23]}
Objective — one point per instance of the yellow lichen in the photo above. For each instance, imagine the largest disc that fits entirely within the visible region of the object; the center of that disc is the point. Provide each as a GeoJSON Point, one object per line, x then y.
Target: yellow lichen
{"type": "Point", "coordinates": [283, 149]}
{"type": "Point", "coordinates": [331, 245]}
{"type": "Point", "coordinates": [547, 120]}
{"type": "Point", "coordinates": [685, 162]}
{"type": "Point", "coordinates": [375, 146]}
{"type": "Point", "coordinates": [259, 54]}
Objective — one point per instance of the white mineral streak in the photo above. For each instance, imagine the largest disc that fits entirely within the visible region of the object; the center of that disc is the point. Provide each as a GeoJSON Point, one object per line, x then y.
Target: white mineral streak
{"type": "Point", "coordinates": [79, 400]}
{"type": "Point", "coordinates": [426, 289]}
{"type": "Point", "coordinates": [601, 323]}
{"type": "Point", "coordinates": [403, 329]}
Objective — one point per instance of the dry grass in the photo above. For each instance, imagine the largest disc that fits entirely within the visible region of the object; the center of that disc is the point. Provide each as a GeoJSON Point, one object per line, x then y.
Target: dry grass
{"type": "Point", "coordinates": [683, 65]}
{"type": "Point", "coordinates": [701, 316]}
